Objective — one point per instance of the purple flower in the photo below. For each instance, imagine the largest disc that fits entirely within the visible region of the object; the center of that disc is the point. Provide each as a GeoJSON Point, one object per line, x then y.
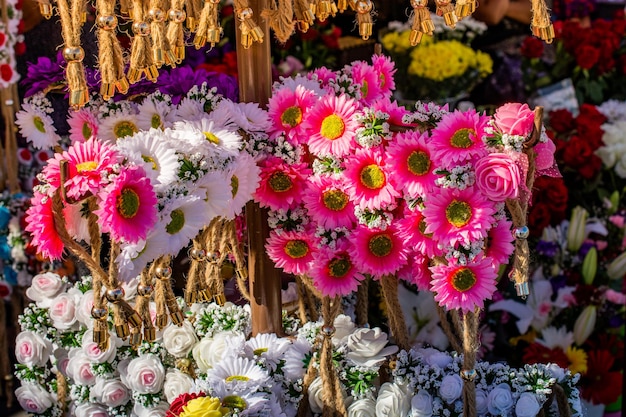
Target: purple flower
{"type": "Point", "coordinates": [226, 85]}
{"type": "Point", "coordinates": [180, 80]}
{"type": "Point", "coordinates": [548, 249]}
{"type": "Point", "coordinates": [41, 75]}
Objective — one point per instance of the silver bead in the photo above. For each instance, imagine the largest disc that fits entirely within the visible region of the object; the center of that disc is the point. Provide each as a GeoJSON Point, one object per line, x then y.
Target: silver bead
{"type": "Point", "coordinates": [99, 313]}
{"type": "Point", "coordinates": [144, 290]}
{"type": "Point", "coordinates": [163, 272]}
{"type": "Point", "coordinates": [197, 254]}
{"type": "Point", "coordinates": [213, 256]}
{"type": "Point", "coordinates": [115, 294]}
{"type": "Point", "coordinates": [328, 331]}
{"type": "Point", "coordinates": [468, 374]}
{"type": "Point", "coordinates": [521, 232]}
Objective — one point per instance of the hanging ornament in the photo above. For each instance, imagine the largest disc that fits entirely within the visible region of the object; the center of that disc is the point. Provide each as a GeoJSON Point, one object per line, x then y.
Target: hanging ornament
{"type": "Point", "coordinates": [324, 8]}
{"type": "Point", "coordinates": [422, 23]}
{"type": "Point", "coordinates": [161, 48]}
{"type": "Point", "coordinates": [194, 8]}
{"type": "Point", "coordinates": [280, 17]}
{"type": "Point", "coordinates": [445, 8]}
{"type": "Point", "coordinates": [541, 24]}
{"type": "Point", "coordinates": [209, 29]}
{"type": "Point", "coordinates": [250, 32]}
{"type": "Point", "coordinates": [304, 14]}
{"type": "Point", "coordinates": [175, 31]}
{"type": "Point", "coordinates": [110, 58]}
{"type": "Point", "coordinates": [464, 8]}
{"type": "Point", "coordinates": [45, 8]}
{"type": "Point", "coordinates": [363, 10]}
{"type": "Point", "coordinates": [141, 56]}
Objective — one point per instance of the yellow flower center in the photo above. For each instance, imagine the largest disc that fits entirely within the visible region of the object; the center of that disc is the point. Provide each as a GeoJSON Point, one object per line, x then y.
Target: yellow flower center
{"type": "Point", "coordinates": [463, 279]}
{"type": "Point", "coordinates": [234, 401]}
{"type": "Point", "coordinates": [155, 121]}
{"type": "Point", "coordinates": [372, 177]}
{"type": "Point", "coordinates": [150, 160]}
{"type": "Point", "coordinates": [176, 223]}
{"type": "Point", "coordinates": [292, 116]}
{"type": "Point", "coordinates": [380, 245]}
{"type": "Point", "coordinates": [124, 128]}
{"type": "Point", "coordinates": [335, 200]}
{"type": "Point", "coordinates": [364, 88]}
{"type": "Point", "coordinates": [86, 131]}
{"type": "Point", "coordinates": [86, 166]}
{"type": "Point", "coordinates": [212, 138]}
{"type": "Point", "coordinates": [242, 378]}
{"type": "Point", "coordinates": [39, 124]}
{"type": "Point", "coordinates": [280, 182]}
{"type": "Point", "coordinates": [234, 185]}
{"type": "Point", "coordinates": [418, 162]}
{"type": "Point", "coordinates": [422, 228]}
{"type": "Point", "coordinates": [458, 213]}
{"type": "Point", "coordinates": [332, 127]}
{"type": "Point", "coordinates": [339, 267]}
{"type": "Point", "coordinates": [296, 248]}
{"type": "Point", "coordinates": [260, 351]}
{"type": "Point", "coordinates": [461, 138]}
{"type": "Point", "coordinates": [127, 203]}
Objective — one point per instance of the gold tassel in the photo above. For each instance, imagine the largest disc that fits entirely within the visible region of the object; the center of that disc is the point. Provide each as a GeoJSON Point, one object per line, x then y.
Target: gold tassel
{"type": "Point", "coordinates": [540, 24]}
{"type": "Point", "coordinates": [209, 29]}
{"type": "Point", "coordinates": [250, 32]}
{"type": "Point", "coordinates": [193, 8]}
{"type": "Point", "coordinates": [342, 5]}
{"type": "Point", "coordinates": [175, 31]}
{"type": "Point", "coordinates": [141, 60]}
{"type": "Point", "coordinates": [464, 8]}
{"type": "Point", "coordinates": [161, 50]}
{"type": "Point", "coordinates": [363, 10]}
{"type": "Point", "coordinates": [304, 15]}
{"type": "Point", "coordinates": [46, 9]}
{"type": "Point", "coordinates": [280, 17]}
{"type": "Point", "coordinates": [325, 8]}
{"type": "Point", "coordinates": [71, 25]}
{"type": "Point", "coordinates": [110, 58]}
{"type": "Point", "coordinates": [445, 8]}
{"type": "Point", "coordinates": [422, 23]}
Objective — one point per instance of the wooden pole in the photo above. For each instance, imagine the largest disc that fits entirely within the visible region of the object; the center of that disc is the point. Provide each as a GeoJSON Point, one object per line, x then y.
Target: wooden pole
{"type": "Point", "coordinates": [254, 70]}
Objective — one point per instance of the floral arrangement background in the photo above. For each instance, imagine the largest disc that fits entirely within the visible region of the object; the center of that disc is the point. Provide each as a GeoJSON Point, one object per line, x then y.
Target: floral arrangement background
{"type": "Point", "coordinates": [440, 67]}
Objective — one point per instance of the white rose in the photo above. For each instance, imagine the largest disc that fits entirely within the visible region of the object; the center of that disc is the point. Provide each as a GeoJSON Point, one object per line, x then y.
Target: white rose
{"type": "Point", "coordinates": [44, 287]}
{"type": "Point", "coordinates": [90, 410]}
{"type": "Point", "coordinates": [556, 371]}
{"type": "Point", "coordinates": [145, 374]}
{"type": "Point", "coordinates": [434, 357]}
{"type": "Point", "coordinates": [315, 395]}
{"type": "Point", "coordinates": [481, 402]}
{"type": "Point", "coordinates": [527, 405]}
{"type": "Point", "coordinates": [94, 353]}
{"type": "Point", "coordinates": [83, 309]}
{"type": "Point", "coordinates": [110, 392]}
{"type": "Point", "coordinates": [179, 340]}
{"type": "Point", "coordinates": [364, 407]}
{"type": "Point", "coordinates": [62, 310]}
{"type": "Point", "coordinates": [176, 383]}
{"type": "Point", "coordinates": [32, 349]}
{"type": "Point", "coordinates": [367, 347]}
{"type": "Point", "coordinates": [158, 410]}
{"type": "Point", "coordinates": [499, 400]}
{"type": "Point", "coordinates": [393, 401]}
{"type": "Point", "coordinates": [343, 328]}
{"type": "Point", "coordinates": [34, 398]}
{"type": "Point", "coordinates": [61, 359]}
{"type": "Point", "coordinates": [79, 368]}
{"type": "Point", "coordinates": [422, 404]}
{"type": "Point", "coordinates": [211, 351]}
{"type": "Point", "coordinates": [451, 388]}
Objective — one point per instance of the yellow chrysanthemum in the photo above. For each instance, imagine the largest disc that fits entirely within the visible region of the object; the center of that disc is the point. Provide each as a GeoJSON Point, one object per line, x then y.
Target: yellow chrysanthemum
{"type": "Point", "coordinates": [397, 42]}
{"type": "Point", "coordinates": [439, 61]}
{"type": "Point", "coordinates": [578, 360]}
{"type": "Point", "coordinates": [528, 337]}
{"type": "Point", "coordinates": [204, 407]}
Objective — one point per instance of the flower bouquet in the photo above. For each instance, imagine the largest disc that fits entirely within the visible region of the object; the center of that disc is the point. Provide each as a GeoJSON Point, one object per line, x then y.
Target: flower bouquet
{"type": "Point", "coordinates": [441, 68]}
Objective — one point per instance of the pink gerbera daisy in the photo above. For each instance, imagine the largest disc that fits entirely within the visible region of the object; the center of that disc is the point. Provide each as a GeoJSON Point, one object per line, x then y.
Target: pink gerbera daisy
{"type": "Point", "coordinates": [87, 162]}
{"type": "Point", "coordinates": [378, 252]}
{"type": "Point", "coordinates": [334, 272]}
{"type": "Point", "coordinates": [281, 185]}
{"type": "Point", "coordinates": [409, 159]}
{"type": "Point", "coordinates": [292, 251]}
{"type": "Point", "coordinates": [40, 224]}
{"type": "Point", "coordinates": [128, 206]}
{"type": "Point", "coordinates": [364, 74]}
{"type": "Point", "coordinates": [416, 271]}
{"type": "Point", "coordinates": [458, 216]}
{"type": "Point", "coordinates": [464, 287]}
{"type": "Point", "coordinates": [392, 108]}
{"type": "Point", "coordinates": [83, 125]}
{"type": "Point", "coordinates": [413, 230]}
{"type": "Point", "coordinates": [458, 137]}
{"type": "Point", "coordinates": [331, 125]}
{"type": "Point", "coordinates": [367, 179]}
{"type": "Point", "coordinates": [287, 110]}
{"type": "Point", "coordinates": [385, 68]}
{"type": "Point", "coordinates": [323, 75]}
{"type": "Point", "coordinates": [328, 203]}
{"type": "Point", "coordinates": [499, 246]}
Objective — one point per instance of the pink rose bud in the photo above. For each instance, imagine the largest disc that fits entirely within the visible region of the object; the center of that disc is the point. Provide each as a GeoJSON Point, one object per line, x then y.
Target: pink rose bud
{"type": "Point", "coordinates": [497, 176]}
{"type": "Point", "coordinates": [545, 155]}
{"type": "Point", "coordinates": [515, 119]}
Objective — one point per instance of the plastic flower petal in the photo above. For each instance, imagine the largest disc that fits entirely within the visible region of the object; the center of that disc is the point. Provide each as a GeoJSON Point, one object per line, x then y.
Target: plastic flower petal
{"type": "Point", "coordinates": [292, 251]}
{"type": "Point", "coordinates": [334, 271]}
{"type": "Point", "coordinates": [287, 110]}
{"type": "Point", "coordinates": [281, 184]}
{"type": "Point", "coordinates": [410, 162]}
{"type": "Point", "coordinates": [40, 223]}
{"type": "Point", "coordinates": [83, 125]}
{"type": "Point", "coordinates": [331, 126]}
{"type": "Point", "coordinates": [128, 206]}
{"type": "Point", "coordinates": [370, 80]}
{"type": "Point", "coordinates": [37, 127]}
{"type": "Point", "coordinates": [327, 202]}
{"type": "Point", "coordinates": [412, 229]}
{"type": "Point", "coordinates": [500, 242]}
{"type": "Point", "coordinates": [378, 252]}
{"type": "Point", "coordinates": [464, 287]}
{"type": "Point", "coordinates": [243, 176]}
{"type": "Point", "coordinates": [458, 137]}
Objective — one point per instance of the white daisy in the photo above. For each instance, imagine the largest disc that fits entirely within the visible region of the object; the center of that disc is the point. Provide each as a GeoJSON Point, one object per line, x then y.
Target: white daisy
{"type": "Point", "coordinates": [183, 218]}
{"type": "Point", "coordinates": [255, 118]}
{"type": "Point", "coordinates": [225, 115]}
{"type": "Point", "coordinates": [119, 124]}
{"type": "Point", "coordinates": [190, 109]}
{"type": "Point", "coordinates": [240, 374]}
{"type": "Point", "coordinates": [293, 83]}
{"type": "Point", "coordinates": [215, 190]}
{"type": "Point", "coordinates": [295, 359]}
{"type": "Point", "coordinates": [149, 149]}
{"type": "Point", "coordinates": [208, 132]}
{"type": "Point", "coordinates": [247, 402]}
{"type": "Point", "coordinates": [134, 257]}
{"type": "Point", "coordinates": [244, 179]}
{"type": "Point", "coordinates": [268, 347]}
{"type": "Point", "coordinates": [37, 127]}
{"type": "Point", "coordinates": [551, 337]}
{"type": "Point", "coordinates": [155, 112]}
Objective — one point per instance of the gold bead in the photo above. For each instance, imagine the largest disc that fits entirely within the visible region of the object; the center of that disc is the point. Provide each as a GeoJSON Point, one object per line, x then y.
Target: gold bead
{"type": "Point", "coordinates": [245, 13]}
{"type": "Point", "coordinates": [107, 22]}
{"type": "Point", "coordinates": [364, 6]}
{"type": "Point", "coordinates": [156, 14]}
{"type": "Point", "coordinates": [176, 15]}
{"type": "Point", "coordinates": [198, 255]}
{"type": "Point", "coordinates": [141, 28]}
{"type": "Point", "coordinates": [73, 54]}
{"type": "Point", "coordinates": [99, 313]}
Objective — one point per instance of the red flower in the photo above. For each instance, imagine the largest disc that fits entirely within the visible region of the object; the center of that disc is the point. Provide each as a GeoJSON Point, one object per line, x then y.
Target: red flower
{"type": "Point", "coordinates": [331, 38]}
{"type": "Point", "coordinates": [177, 405]}
{"type": "Point", "coordinates": [539, 217]}
{"type": "Point", "coordinates": [20, 48]}
{"type": "Point", "coordinates": [579, 155]}
{"type": "Point", "coordinates": [587, 56]}
{"type": "Point", "coordinates": [532, 47]}
{"type": "Point", "coordinates": [561, 121]}
{"type": "Point", "coordinates": [590, 114]}
{"type": "Point", "coordinates": [6, 72]}
{"type": "Point", "coordinates": [536, 353]}
{"type": "Point", "coordinates": [551, 191]}
{"type": "Point", "coordinates": [600, 385]}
